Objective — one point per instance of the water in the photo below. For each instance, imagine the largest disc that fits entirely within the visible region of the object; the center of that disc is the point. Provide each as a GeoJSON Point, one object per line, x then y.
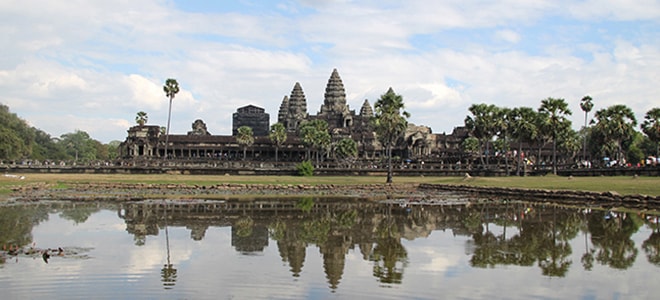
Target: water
{"type": "Point", "coordinates": [327, 249]}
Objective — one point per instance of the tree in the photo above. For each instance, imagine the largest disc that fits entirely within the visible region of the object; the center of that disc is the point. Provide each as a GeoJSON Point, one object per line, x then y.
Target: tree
{"type": "Point", "coordinates": [615, 128]}
{"type": "Point", "coordinates": [557, 110]}
{"type": "Point", "coordinates": [501, 125]}
{"type": "Point", "coordinates": [16, 136]}
{"type": "Point", "coordinates": [389, 122]}
{"type": "Point", "coordinates": [314, 134]}
{"type": "Point", "coordinates": [524, 129]}
{"type": "Point", "coordinates": [245, 138]}
{"type": "Point", "coordinates": [346, 151]}
{"type": "Point", "coordinates": [651, 127]}
{"type": "Point", "coordinates": [79, 145]}
{"type": "Point", "coordinates": [481, 126]}
{"type": "Point", "coordinates": [470, 146]}
{"type": "Point", "coordinates": [277, 136]}
{"type": "Point", "coordinates": [171, 88]}
{"type": "Point", "coordinates": [141, 118]}
{"type": "Point", "coordinates": [586, 105]}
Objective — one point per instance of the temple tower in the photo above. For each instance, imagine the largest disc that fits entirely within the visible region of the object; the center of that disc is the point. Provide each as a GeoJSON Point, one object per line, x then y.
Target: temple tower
{"type": "Point", "coordinates": [284, 108]}
{"type": "Point", "coordinates": [294, 109]}
{"type": "Point", "coordinates": [366, 111]}
{"type": "Point", "coordinates": [334, 109]}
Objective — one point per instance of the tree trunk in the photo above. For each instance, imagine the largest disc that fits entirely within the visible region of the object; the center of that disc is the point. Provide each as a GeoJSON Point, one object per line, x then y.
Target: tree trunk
{"type": "Point", "coordinates": [389, 164]}
{"type": "Point", "coordinates": [276, 150]}
{"type": "Point", "coordinates": [554, 153]}
{"type": "Point", "coordinates": [520, 161]}
{"type": "Point", "coordinates": [506, 156]}
{"type": "Point", "coordinates": [167, 130]}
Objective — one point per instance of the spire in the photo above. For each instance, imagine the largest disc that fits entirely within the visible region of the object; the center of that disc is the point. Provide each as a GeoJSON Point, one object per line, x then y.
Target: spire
{"type": "Point", "coordinates": [335, 95]}
{"type": "Point", "coordinates": [297, 102]}
{"type": "Point", "coordinates": [366, 110]}
{"type": "Point", "coordinates": [296, 111]}
{"type": "Point", "coordinates": [284, 107]}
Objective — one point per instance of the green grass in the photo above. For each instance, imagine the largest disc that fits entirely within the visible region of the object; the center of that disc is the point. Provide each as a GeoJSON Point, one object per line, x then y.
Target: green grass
{"type": "Point", "coordinates": [619, 184]}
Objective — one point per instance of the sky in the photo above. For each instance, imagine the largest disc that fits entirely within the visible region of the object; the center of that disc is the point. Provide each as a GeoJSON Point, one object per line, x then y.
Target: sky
{"type": "Point", "coordinates": [92, 65]}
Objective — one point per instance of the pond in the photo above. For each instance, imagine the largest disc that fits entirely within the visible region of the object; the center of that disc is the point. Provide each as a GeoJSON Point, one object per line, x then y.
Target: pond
{"type": "Point", "coordinates": [310, 248]}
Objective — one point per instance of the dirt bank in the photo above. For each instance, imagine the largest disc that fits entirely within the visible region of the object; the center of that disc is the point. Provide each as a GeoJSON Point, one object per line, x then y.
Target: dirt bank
{"type": "Point", "coordinates": [135, 192]}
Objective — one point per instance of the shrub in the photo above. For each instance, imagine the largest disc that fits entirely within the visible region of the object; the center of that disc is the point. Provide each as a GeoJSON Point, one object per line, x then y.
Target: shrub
{"type": "Point", "coordinates": [305, 168]}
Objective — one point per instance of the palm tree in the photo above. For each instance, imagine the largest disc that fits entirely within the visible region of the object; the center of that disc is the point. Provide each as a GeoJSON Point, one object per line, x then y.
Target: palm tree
{"type": "Point", "coordinates": [615, 125]}
{"type": "Point", "coordinates": [651, 127]}
{"type": "Point", "coordinates": [141, 118]}
{"type": "Point", "coordinates": [586, 105]}
{"type": "Point", "coordinates": [389, 123]}
{"type": "Point", "coordinates": [501, 125]}
{"type": "Point", "coordinates": [556, 109]}
{"type": "Point", "coordinates": [346, 151]}
{"type": "Point", "coordinates": [523, 130]}
{"type": "Point", "coordinates": [314, 134]}
{"type": "Point", "coordinates": [245, 138]}
{"type": "Point", "coordinates": [277, 136]}
{"type": "Point", "coordinates": [481, 126]}
{"type": "Point", "coordinates": [171, 88]}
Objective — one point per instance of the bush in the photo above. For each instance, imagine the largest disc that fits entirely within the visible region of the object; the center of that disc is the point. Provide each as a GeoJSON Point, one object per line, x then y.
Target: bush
{"type": "Point", "coordinates": [305, 168]}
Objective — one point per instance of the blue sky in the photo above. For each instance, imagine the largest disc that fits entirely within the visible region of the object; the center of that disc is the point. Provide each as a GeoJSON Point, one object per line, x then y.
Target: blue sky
{"type": "Point", "coordinates": [92, 65]}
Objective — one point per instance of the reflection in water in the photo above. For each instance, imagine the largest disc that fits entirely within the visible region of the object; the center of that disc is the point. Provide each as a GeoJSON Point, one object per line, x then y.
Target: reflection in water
{"type": "Point", "coordinates": [168, 273]}
{"type": "Point", "coordinates": [497, 234]}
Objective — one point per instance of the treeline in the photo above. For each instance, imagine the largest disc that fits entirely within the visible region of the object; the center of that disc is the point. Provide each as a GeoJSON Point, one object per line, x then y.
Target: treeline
{"type": "Point", "coordinates": [611, 133]}
{"type": "Point", "coordinates": [20, 141]}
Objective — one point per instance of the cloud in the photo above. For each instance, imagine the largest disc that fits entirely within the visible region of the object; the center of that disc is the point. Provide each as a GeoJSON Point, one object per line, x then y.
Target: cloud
{"type": "Point", "coordinates": [98, 63]}
{"type": "Point", "coordinates": [509, 36]}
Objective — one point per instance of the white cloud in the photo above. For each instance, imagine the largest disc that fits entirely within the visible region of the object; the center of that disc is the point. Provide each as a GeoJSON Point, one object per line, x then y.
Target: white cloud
{"type": "Point", "coordinates": [97, 64]}
{"type": "Point", "coordinates": [509, 36]}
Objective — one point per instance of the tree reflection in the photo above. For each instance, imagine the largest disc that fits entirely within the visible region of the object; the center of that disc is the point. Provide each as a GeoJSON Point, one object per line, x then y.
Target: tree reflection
{"type": "Point", "coordinates": [168, 272]}
{"type": "Point", "coordinates": [588, 256]}
{"type": "Point", "coordinates": [389, 255]}
{"type": "Point", "coordinates": [611, 234]}
{"type": "Point", "coordinates": [305, 204]}
{"type": "Point", "coordinates": [16, 223]}
{"type": "Point", "coordinates": [79, 214]}
{"type": "Point", "coordinates": [652, 245]}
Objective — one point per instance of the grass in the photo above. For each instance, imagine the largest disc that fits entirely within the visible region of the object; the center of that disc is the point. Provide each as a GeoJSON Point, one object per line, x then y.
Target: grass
{"type": "Point", "coordinates": [622, 185]}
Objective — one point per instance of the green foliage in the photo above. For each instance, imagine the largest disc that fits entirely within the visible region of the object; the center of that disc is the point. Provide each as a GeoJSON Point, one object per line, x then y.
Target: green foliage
{"type": "Point", "coordinates": [470, 145]}
{"type": "Point", "coordinates": [305, 204]}
{"type": "Point", "coordinates": [614, 130]}
{"type": "Point", "coordinates": [245, 138]}
{"type": "Point", "coordinates": [305, 168]}
{"type": "Point", "coordinates": [482, 125]}
{"type": "Point", "coordinates": [80, 146]}
{"type": "Point", "coordinates": [651, 127]}
{"type": "Point", "coordinates": [277, 136]}
{"type": "Point", "coordinates": [16, 137]}
{"type": "Point", "coordinates": [390, 123]}
{"type": "Point", "coordinates": [141, 118]}
{"type": "Point", "coordinates": [314, 134]}
{"type": "Point", "coordinates": [20, 141]}
{"type": "Point", "coordinates": [346, 151]}
{"type": "Point", "coordinates": [556, 111]}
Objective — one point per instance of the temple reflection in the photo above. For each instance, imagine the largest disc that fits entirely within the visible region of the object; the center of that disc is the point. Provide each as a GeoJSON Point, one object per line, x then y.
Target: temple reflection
{"type": "Point", "coordinates": [497, 232]}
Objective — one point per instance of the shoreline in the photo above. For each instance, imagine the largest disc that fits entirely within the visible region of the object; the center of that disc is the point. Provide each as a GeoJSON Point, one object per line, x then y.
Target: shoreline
{"type": "Point", "coordinates": [143, 191]}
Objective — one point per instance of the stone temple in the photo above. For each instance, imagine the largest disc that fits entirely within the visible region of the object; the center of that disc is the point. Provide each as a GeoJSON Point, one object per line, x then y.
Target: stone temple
{"type": "Point", "coordinates": [148, 142]}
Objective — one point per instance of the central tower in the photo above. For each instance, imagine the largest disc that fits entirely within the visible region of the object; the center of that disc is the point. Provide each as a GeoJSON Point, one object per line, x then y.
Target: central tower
{"type": "Point", "coordinates": [334, 109]}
